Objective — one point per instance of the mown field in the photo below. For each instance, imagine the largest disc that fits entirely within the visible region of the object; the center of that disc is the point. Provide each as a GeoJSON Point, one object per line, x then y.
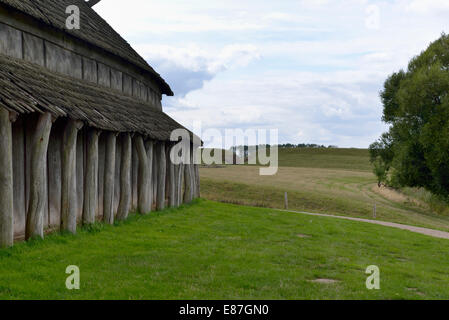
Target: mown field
{"type": "Point", "coordinates": [347, 159]}
{"type": "Point", "coordinates": [213, 250]}
{"type": "Point", "coordinates": [332, 181]}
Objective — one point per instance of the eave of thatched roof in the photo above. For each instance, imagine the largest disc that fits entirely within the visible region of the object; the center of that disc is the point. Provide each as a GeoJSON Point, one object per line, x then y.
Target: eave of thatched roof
{"type": "Point", "coordinates": [27, 88]}
{"type": "Point", "coordinates": [94, 30]}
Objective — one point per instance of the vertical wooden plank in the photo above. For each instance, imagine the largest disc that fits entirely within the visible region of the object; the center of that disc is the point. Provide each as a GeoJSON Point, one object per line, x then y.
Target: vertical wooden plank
{"type": "Point", "coordinates": [54, 163]}
{"type": "Point", "coordinates": [69, 197]}
{"type": "Point", "coordinates": [18, 149]}
{"type": "Point", "coordinates": [161, 172]}
{"type": "Point", "coordinates": [80, 175]}
{"type": "Point", "coordinates": [6, 181]}
{"type": "Point", "coordinates": [109, 178]}
{"type": "Point", "coordinates": [176, 182]}
{"type": "Point", "coordinates": [149, 148]}
{"type": "Point", "coordinates": [125, 178]}
{"type": "Point", "coordinates": [38, 196]}
{"type": "Point", "coordinates": [135, 168]}
{"type": "Point", "coordinates": [171, 180]}
{"type": "Point", "coordinates": [45, 186]}
{"type": "Point", "coordinates": [180, 178]}
{"type": "Point", "coordinates": [155, 174]}
{"type": "Point", "coordinates": [117, 186]}
{"type": "Point", "coordinates": [197, 181]}
{"type": "Point", "coordinates": [30, 122]}
{"type": "Point", "coordinates": [101, 163]}
{"type": "Point", "coordinates": [144, 181]}
{"type": "Point", "coordinates": [91, 179]}
{"type": "Point", "coordinates": [188, 185]}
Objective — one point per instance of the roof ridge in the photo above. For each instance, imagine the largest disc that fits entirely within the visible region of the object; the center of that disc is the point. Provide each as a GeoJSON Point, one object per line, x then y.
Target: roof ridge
{"type": "Point", "coordinates": [96, 31]}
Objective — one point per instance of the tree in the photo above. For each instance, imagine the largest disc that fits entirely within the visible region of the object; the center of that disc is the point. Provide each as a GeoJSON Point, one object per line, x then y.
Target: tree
{"type": "Point", "coordinates": [415, 151]}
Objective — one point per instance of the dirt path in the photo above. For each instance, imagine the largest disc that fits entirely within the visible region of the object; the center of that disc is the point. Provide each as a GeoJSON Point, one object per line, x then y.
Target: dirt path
{"type": "Point", "coordinates": [426, 231]}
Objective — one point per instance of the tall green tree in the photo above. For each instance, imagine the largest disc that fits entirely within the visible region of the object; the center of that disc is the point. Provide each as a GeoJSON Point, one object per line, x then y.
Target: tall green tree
{"type": "Point", "coordinates": [415, 150]}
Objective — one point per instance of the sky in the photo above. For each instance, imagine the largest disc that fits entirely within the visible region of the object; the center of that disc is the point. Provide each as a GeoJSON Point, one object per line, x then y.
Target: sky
{"type": "Point", "coordinates": [312, 69]}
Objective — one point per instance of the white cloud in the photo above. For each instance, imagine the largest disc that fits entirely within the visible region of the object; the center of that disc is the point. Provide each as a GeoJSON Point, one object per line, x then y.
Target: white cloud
{"type": "Point", "coordinates": [427, 6]}
{"type": "Point", "coordinates": [312, 68]}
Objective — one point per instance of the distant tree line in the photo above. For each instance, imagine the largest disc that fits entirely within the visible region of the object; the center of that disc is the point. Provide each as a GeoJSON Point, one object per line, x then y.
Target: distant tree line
{"type": "Point", "coordinates": [415, 150]}
{"type": "Point", "coordinates": [305, 145]}
{"type": "Point", "coordinates": [283, 146]}
{"type": "Point", "coordinates": [246, 151]}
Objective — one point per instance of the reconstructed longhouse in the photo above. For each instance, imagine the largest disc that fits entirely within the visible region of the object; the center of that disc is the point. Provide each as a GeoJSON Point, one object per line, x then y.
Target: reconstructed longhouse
{"type": "Point", "coordinates": [83, 137]}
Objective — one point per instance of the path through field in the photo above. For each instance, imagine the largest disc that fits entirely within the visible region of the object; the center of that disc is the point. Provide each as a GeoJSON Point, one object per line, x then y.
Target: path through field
{"type": "Point", "coordinates": [425, 231]}
{"type": "Point", "coordinates": [342, 192]}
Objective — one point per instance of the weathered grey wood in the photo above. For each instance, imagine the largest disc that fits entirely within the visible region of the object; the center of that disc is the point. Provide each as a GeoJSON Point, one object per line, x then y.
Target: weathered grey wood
{"type": "Point", "coordinates": [30, 123]}
{"type": "Point", "coordinates": [109, 178]}
{"type": "Point", "coordinates": [35, 214]}
{"type": "Point", "coordinates": [155, 176]}
{"type": "Point", "coordinates": [117, 170]}
{"type": "Point", "coordinates": [167, 175]}
{"type": "Point", "coordinates": [171, 178]}
{"type": "Point", "coordinates": [101, 165]}
{"type": "Point", "coordinates": [197, 181]}
{"type": "Point", "coordinates": [180, 178]}
{"type": "Point", "coordinates": [45, 218]}
{"type": "Point", "coordinates": [91, 180]}
{"type": "Point", "coordinates": [18, 149]}
{"type": "Point", "coordinates": [149, 147]}
{"type": "Point", "coordinates": [54, 163]}
{"type": "Point", "coordinates": [176, 183]}
{"type": "Point", "coordinates": [125, 178]}
{"type": "Point", "coordinates": [6, 181]}
{"type": "Point", "coordinates": [188, 183]}
{"type": "Point", "coordinates": [161, 172]}
{"type": "Point", "coordinates": [192, 171]}
{"type": "Point", "coordinates": [135, 174]}
{"type": "Point", "coordinates": [144, 181]}
{"type": "Point", "coordinates": [69, 199]}
{"type": "Point", "coordinates": [80, 175]}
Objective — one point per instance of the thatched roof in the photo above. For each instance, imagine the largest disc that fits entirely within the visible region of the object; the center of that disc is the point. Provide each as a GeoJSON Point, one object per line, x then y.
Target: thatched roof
{"type": "Point", "coordinates": [27, 88]}
{"type": "Point", "coordinates": [94, 30]}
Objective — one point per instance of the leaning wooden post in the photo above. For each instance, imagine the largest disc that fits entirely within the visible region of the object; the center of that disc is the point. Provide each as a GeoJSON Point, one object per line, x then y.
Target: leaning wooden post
{"type": "Point", "coordinates": [172, 201]}
{"type": "Point", "coordinates": [144, 201]}
{"type": "Point", "coordinates": [69, 207]}
{"type": "Point", "coordinates": [197, 181]}
{"type": "Point", "coordinates": [149, 147]}
{"type": "Point", "coordinates": [176, 183]}
{"type": "Point", "coordinates": [161, 172]}
{"type": "Point", "coordinates": [6, 181]}
{"type": "Point", "coordinates": [109, 178]}
{"type": "Point", "coordinates": [155, 176]}
{"type": "Point", "coordinates": [188, 182]}
{"type": "Point", "coordinates": [125, 178]}
{"type": "Point", "coordinates": [192, 172]}
{"type": "Point", "coordinates": [91, 187]}
{"type": "Point", "coordinates": [35, 214]}
{"type": "Point", "coordinates": [180, 177]}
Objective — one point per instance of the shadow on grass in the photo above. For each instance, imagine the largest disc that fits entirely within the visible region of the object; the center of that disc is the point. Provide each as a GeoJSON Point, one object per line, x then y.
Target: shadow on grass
{"type": "Point", "coordinates": [62, 237]}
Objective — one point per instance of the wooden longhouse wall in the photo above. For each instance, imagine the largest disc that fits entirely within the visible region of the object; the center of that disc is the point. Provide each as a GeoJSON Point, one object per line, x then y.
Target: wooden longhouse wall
{"type": "Point", "coordinates": [74, 106]}
{"type": "Point", "coordinates": [22, 132]}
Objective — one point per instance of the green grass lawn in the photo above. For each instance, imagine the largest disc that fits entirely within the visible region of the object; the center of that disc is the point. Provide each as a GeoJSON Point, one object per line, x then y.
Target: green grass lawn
{"type": "Point", "coordinates": [332, 181]}
{"type": "Point", "coordinates": [332, 158]}
{"type": "Point", "coordinates": [221, 251]}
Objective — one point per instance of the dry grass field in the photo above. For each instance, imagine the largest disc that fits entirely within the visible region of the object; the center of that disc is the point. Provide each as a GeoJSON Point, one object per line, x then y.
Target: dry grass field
{"type": "Point", "coordinates": [332, 181]}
